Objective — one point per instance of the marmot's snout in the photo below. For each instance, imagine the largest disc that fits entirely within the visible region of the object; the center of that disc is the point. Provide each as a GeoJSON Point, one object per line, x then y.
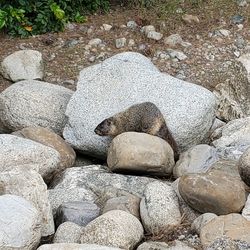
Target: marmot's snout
{"type": "Point", "coordinates": [103, 128]}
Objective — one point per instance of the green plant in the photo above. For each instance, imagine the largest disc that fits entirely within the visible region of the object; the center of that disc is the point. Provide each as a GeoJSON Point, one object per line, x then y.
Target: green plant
{"type": "Point", "coordinates": [31, 17]}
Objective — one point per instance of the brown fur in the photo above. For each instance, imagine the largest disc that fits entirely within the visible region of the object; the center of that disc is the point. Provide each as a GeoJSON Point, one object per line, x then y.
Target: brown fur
{"type": "Point", "coordinates": [143, 117]}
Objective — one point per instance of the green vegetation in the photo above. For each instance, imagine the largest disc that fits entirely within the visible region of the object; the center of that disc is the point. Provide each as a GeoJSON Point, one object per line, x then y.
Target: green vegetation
{"type": "Point", "coordinates": [31, 17]}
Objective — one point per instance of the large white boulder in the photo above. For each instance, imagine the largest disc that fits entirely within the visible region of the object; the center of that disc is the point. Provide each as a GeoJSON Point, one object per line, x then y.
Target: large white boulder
{"type": "Point", "coordinates": [23, 65]}
{"type": "Point", "coordinates": [34, 103]}
{"type": "Point", "coordinates": [126, 79]}
{"type": "Point", "coordinates": [20, 226]}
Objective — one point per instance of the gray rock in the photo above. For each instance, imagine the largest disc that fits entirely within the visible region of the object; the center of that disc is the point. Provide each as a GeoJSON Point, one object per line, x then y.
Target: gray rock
{"type": "Point", "coordinates": [237, 19]}
{"type": "Point", "coordinates": [209, 192]}
{"type": "Point", "coordinates": [95, 178]}
{"type": "Point", "coordinates": [20, 226]}
{"type": "Point", "coordinates": [224, 32]}
{"type": "Point", "coordinates": [78, 212]}
{"type": "Point", "coordinates": [235, 138]}
{"type": "Point", "coordinates": [197, 159]}
{"type": "Point", "coordinates": [68, 232]}
{"type": "Point", "coordinates": [156, 245]}
{"type": "Point", "coordinates": [16, 151]}
{"type": "Point", "coordinates": [140, 152]}
{"type": "Point", "coordinates": [135, 79]}
{"type": "Point", "coordinates": [154, 35]}
{"type": "Point", "coordinates": [159, 208]}
{"type": "Point", "coordinates": [95, 42]}
{"type": "Point", "coordinates": [173, 40]}
{"type": "Point", "coordinates": [233, 92]}
{"type": "Point", "coordinates": [132, 24]}
{"type": "Point", "coordinates": [72, 246]}
{"type": "Point", "coordinates": [148, 28]}
{"type": "Point", "coordinates": [216, 129]}
{"type": "Point", "coordinates": [244, 166]}
{"type": "Point", "coordinates": [190, 18]}
{"type": "Point", "coordinates": [201, 221]}
{"type": "Point", "coordinates": [34, 103]}
{"type": "Point", "coordinates": [128, 203]}
{"type": "Point", "coordinates": [30, 185]}
{"type": "Point", "coordinates": [107, 27]}
{"type": "Point", "coordinates": [23, 65]}
{"type": "Point", "coordinates": [233, 226]}
{"type": "Point", "coordinates": [120, 42]}
{"type": "Point", "coordinates": [176, 54]}
{"type": "Point", "coordinates": [60, 195]}
{"type": "Point", "coordinates": [189, 213]}
{"type": "Point", "coordinates": [115, 228]}
{"type": "Point", "coordinates": [245, 60]}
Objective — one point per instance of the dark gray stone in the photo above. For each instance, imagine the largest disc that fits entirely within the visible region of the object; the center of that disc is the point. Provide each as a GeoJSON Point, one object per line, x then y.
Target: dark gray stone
{"type": "Point", "coordinates": [79, 212]}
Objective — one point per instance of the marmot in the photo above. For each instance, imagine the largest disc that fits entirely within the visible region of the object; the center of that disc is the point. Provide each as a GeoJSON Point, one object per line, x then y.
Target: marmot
{"type": "Point", "coordinates": [143, 117]}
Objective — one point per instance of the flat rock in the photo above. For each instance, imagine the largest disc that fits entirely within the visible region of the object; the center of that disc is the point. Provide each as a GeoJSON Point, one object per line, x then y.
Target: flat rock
{"type": "Point", "coordinates": [95, 178]}
{"type": "Point", "coordinates": [233, 226]}
{"type": "Point", "coordinates": [197, 159]}
{"type": "Point", "coordinates": [16, 151]}
{"type": "Point", "coordinates": [235, 138]}
{"type": "Point", "coordinates": [23, 65]}
{"type": "Point", "coordinates": [140, 152]}
{"type": "Point", "coordinates": [49, 138]}
{"type": "Point", "coordinates": [78, 212]}
{"type": "Point", "coordinates": [59, 196]}
{"type": "Point", "coordinates": [244, 166]}
{"type": "Point", "coordinates": [126, 79]}
{"type": "Point", "coordinates": [72, 246]}
{"type": "Point", "coordinates": [34, 103]}
{"type": "Point", "coordinates": [30, 185]}
{"type": "Point", "coordinates": [115, 228]}
{"type": "Point", "coordinates": [20, 226]}
{"type": "Point", "coordinates": [159, 208]}
{"type": "Point", "coordinates": [209, 192]}
{"type": "Point", "coordinates": [68, 232]}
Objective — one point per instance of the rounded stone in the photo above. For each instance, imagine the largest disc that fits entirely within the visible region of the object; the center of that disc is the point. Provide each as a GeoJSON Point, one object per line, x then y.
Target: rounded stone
{"type": "Point", "coordinates": [68, 232]}
{"type": "Point", "coordinates": [140, 152]}
{"type": "Point", "coordinates": [159, 208]}
{"type": "Point", "coordinates": [115, 228]}
{"type": "Point", "coordinates": [20, 226]}
{"type": "Point", "coordinates": [209, 192]}
{"type": "Point", "coordinates": [23, 65]}
{"type": "Point", "coordinates": [34, 103]}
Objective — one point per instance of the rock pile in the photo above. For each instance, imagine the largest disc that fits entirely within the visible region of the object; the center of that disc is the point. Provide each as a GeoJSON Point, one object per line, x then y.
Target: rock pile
{"type": "Point", "coordinates": [98, 206]}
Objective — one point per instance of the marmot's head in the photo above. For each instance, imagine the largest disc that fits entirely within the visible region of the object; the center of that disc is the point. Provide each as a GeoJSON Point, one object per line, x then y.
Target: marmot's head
{"type": "Point", "coordinates": [106, 127]}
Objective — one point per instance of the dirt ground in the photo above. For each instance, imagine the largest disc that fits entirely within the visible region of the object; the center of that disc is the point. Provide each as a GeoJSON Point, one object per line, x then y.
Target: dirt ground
{"type": "Point", "coordinates": [65, 53]}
